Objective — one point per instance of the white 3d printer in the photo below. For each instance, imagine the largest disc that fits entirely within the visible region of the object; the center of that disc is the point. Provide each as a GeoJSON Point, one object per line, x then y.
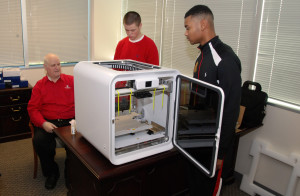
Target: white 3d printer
{"type": "Point", "coordinates": [130, 110]}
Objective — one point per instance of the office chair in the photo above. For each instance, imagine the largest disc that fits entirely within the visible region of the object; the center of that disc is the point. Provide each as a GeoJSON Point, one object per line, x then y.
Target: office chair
{"type": "Point", "coordinates": [59, 144]}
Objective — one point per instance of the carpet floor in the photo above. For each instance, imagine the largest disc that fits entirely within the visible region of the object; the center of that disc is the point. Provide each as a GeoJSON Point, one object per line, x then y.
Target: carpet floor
{"type": "Point", "coordinates": [16, 168]}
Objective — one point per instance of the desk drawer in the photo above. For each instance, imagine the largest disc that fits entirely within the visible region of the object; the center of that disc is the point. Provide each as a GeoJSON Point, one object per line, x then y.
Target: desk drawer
{"type": "Point", "coordinates": [14, 124]}
{"type": "Point", "coordinates": [13, 109]}
{"type": "Point", "coordinates": [14, 98]}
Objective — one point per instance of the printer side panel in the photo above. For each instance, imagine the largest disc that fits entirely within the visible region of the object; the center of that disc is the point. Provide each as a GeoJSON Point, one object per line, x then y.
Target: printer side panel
{"type": "Point", "coordinates": [93, 105]}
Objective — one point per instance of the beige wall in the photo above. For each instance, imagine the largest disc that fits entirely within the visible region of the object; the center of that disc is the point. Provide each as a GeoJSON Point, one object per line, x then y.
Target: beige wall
{"type": "Point", "coordinates": [35, 74]}
{"type": "Point", "coordinates": [106, 28]}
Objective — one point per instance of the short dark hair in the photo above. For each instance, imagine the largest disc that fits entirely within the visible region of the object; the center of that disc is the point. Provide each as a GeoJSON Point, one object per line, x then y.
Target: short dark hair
{"type": "Point", "coordinates": [132, 17]}
{"type": "Point", "coordinates": [198, 10]}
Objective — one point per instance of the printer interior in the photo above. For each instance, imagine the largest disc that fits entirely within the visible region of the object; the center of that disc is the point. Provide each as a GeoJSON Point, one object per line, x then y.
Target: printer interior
{"type": "Point", "coordinates": [141, 115]}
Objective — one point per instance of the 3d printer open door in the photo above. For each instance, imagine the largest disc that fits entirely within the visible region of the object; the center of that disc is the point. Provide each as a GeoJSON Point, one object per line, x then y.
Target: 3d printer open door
{"type": "Point", "coordinates": [198, 120]}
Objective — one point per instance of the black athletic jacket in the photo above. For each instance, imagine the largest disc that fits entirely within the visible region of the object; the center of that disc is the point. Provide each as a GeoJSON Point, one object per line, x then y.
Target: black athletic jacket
{"type": "Point", "coordinates": [219, 65]}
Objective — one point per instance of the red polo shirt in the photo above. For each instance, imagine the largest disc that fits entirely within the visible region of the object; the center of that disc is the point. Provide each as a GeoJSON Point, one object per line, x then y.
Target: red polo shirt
{"type": "Point", "coordinates": [143, 50]}
{"type": "Point", "coordinates": [51, 100]}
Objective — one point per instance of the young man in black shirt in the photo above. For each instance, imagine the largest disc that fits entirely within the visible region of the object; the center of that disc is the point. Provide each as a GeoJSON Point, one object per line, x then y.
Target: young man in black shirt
{"type": "Point", "coordinates": [219, 65]}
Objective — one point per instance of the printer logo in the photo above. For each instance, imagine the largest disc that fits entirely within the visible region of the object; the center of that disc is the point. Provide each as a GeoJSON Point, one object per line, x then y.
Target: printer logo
{"type": "Point", "coordinates": [67, 87]}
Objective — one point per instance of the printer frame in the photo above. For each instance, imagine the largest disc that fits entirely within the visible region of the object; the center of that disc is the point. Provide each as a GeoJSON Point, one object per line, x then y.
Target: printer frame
{"type": "Point", "coordinates": [130, 110]}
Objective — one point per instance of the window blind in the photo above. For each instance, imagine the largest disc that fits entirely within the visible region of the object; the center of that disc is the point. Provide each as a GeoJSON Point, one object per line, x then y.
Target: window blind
{"type": "Point", "coordinates": [59, 27]}
{"type": "Point", "coordinates": [177, 53]}
{"type": "Point", "coordinates": [11, 47]}
{"type": "Point", "coordinates": [277, 66]}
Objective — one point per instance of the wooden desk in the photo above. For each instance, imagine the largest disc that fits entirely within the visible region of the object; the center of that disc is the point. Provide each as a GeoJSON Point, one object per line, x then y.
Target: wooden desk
{"type": "Point", "coordinates": [90, 173]}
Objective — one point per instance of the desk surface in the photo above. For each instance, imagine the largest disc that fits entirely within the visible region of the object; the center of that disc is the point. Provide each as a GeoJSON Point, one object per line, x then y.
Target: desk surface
{"type": "Point", "coordinates": [99, 165]}
{"type": "Point", "coordinates": [244, 131]}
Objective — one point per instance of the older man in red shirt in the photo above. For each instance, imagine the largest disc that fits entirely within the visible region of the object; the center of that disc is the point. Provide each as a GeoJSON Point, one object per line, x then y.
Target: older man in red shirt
{"type": "Point", "coordinates": [51, 106]}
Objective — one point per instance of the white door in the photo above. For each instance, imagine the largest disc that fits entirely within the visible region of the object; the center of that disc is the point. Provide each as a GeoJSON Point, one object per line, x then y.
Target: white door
{"type": "Point", "coordinates": [198, 119]}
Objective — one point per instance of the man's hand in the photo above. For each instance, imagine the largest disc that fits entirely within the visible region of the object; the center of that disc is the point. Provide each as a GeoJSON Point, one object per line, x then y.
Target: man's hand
{"type": "Point", "coordinates": [48, 126]}
{"type": "Point", "coordinates": [219, 164]}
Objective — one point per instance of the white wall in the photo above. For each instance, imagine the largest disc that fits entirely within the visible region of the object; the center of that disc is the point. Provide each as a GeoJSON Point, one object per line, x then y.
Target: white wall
{"type": "Point", "coordinates": [281, 130]}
